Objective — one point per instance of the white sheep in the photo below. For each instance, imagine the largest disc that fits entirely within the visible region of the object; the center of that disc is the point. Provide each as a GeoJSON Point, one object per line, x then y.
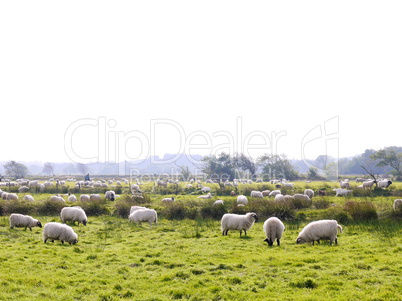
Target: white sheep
{"type": "Point", "coordinates": [73, 214]}
{"type": "Point", "coordinates": [232, 221]}
{"type": "Point", "coordinates": [290, 185]}
{"type": "Point", "coordinates": [72, 198]}
{"type": "Point", "coordinates": [256, 194]}
{"type": "Point", "coordinates": [26, 221]}
{"type": "Point", "coordinates": [57, 199]}
{"type": "Point", "coordinates": [206, 197]}
{"type": "Point", "coordinates": [302, 197]}
{"type": "Point", "coordinates": [4, 195]}
{"type": "Point", "coordinates": [205, 189]}
{"type": "Point", "coordinates": [11, 197]}
{"type": "Point", "coordinates": [309, 193]}
{"type": "Point", "coordinates": [273, 228]}
{"type": "Point", "coordinates": [95, 198]}
{"type": "Point", "coordinates": [344, 184]}
{"type": "Point", "coordinates": [384, 183]}
{"type": "Point", "coordinates": [168, 200]}
{"type": "Point", "coordinates": [279, 197]}
{"type": "Point", "coordinates": [28, 198]}
{"type": "Point", "coordinates": [218, 202]}
{"type": "Point", "coordinates": [110, 195]}
{"type": "Point", "coordinates": [265, 192]}
{"type": "Point", "coordinates": [133, 208]}
{"type": "Point", "coordinates": [144, 215]}
{"type": "Point", "coordinates": [23, 189]}
{"type": "Point", "coordinates": [242, 199]}
{"type": "Point", "coordinates": [274, 193]}
{"type": "Point", "coordinates": [57, 231]}
{"type": "Point", "coordinates": [322, 229]}
{"type": "Point", "coordinates": [398, 204]}
{"type": "Point", "coordinates": [341, 191]}
{"type": "Point", "coordinates": [135, 189]}
{"type": "Point", "coordinates": [368, 184]}
{"type": "Point", "coordinates": [84, 198]}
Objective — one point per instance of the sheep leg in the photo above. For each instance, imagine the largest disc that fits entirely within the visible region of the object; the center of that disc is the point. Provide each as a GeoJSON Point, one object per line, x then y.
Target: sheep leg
{"type": "Point", "coordinates": [336, 240]}
{"type": "Point", "coordinates": [278, 242]}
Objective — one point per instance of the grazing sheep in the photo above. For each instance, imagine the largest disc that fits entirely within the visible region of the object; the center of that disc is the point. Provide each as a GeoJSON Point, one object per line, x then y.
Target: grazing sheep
{"type": "Point", "coordinates": [256, 194]}
{"type": "Point", "coordinates": [95, 198]}
{"type": "Point", "coordinates": [368, 184]}
{"type": "Point", "coordinates": [72, 198]}
{"type": "Point", "coordinates": [73, 214]}
{"type": "Point", "coordinates": [309, 193]}
{"type": "Point", "coordinates": [135, 189]}
{"type": "Point", "coordinates": [11, 197]}
{"type": "Point", "coordinates": [265, 192]}
{"type": "Point", "coordinates": [341, 191]}
{"type": "Point", "coordinates": [84, 198]}
{"type": "Point", "coordinates": [144, 215]}
{"type": "Point", "coordinates": [4, 195]}
{"type": "Point", "coordinates": [28, 198]}
{"type": "Point", "coordinates": [133, 208]}
{"type": "Point", "coordinates": [218, 202]}
{"type": "Point", "coordinates": [398, 204]}
{"type": "Point", "coordinates": [205, 189]}
{"type": "Point", "coordinates": [207, 196]}
{"type": "Point", "coordinates": [274, 193]}
{"type": "Point", "coordinates": [110, 195]}
{"type": "Point", "coordinates": [322, 193]}
{"type": "Point", "coordinates": [322, 229]}
{"type": "Point", "coordinates": [57, 231]}
{"type": "Point", "coordinates": [384, 183]}
{"type": "Point", "coordinates": [232, 221]}
{"type": "Point", "coordinates": [302, 197]}
{"type": "Point", "coordinates": [168, 200]}
{"type": "Point", "coordinates": [242, 199]}
{"type": "Point", "coordinates": [57, 198]}
{"type": "Point", "coordinates": [290, 185]}
{"type": "Point", "coordinates": [279, 197]}
{"type": "Point", "coordinates": [33, 183]}
{"type": "Point", "coordinates": [273, 228]}
{"type": "Point", "coordinates": [26, 221]}
{"type": "Point", "coordinates": [360, 180]}
{"type": "Point", "coordinates": [344, 184]}
{"type": "Point", "coordinates": [23, 189]}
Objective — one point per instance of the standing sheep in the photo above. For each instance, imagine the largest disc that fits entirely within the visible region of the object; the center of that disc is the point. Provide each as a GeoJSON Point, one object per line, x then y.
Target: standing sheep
{"type": "Point", "coordinates": [57, 199]}
{"type": "Point", "coordinates": [28, 197]}
{"type": "Point", "coordinates": [72, 198]}
{"type": "Point", "coordinates": [168, 200]}
{"type": "Point", "coordinates": [144, 215]}
{"type": "Point", "coordinates": [110, 195]}
{"type": "Point", "coordinates": [206, 197]}
{"type": "Point", "coordinates": [232, 221]}
{"type": "Point", "coordinates": [256, 194]}
{"type": "Point", "coordinates": [133, 208]}
{"type": "Point", "coordinates": [11, 197]}
{"type": "Point", "coordinates": [57, 231]}
{"type": "Point", "coordinates": [95, 198]}
{"type": "Point", "coordinates": [20, 220]}
{"type": "Point", "coordinates": [84, 198]}
{"type": "Point", "coordinates": [368, 184]}
{"type": "Point", "coordinates": [384, 183]}
{"type": "Point", "coordinates": [322, 229]}
{"type": "Point", "coordinates": [341, 191]}
{"type": "Point", "coordinates": [73, 214]}
{"type": "Point", "coordinates": [273, 228]}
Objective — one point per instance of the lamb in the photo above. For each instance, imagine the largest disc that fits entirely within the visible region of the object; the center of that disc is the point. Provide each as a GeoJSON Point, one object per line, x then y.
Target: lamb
{"type": "Point", "coordinates": [20, 220]}
{"type": "Point", "coordinates": [168, 200]}
{"type": "Point", "coordinates": [207, 196]}
{"type": "Point", "coordinates": [110, 195]}
{"type": "Point", "coordinates": [384, 183]}
{"type": "Point", "coordinates": [273, 228]}
{"type": "Point", "coordinates": [309, 193]}
{"type": "Point", "coordinates": [241, 199]}
{"type": "Point", "coordinates": [133, 208]}
{"type": "Point", "coordinates": [73, 214]}
{"type": "Point", "coordinates": [232, 221]}
{"type": "Point", "coordinates": [322, 229]}
{"type": "Point", "coordinates": [341, 191]}
{"type": "Point", "coordinates": [28, 198]}
{"type": "Point", "coordinates": [57, 231]}
{"type": "Point", "coordinates": [256, 194]}
{"type": "Point", "coordinates": [144, 215]}
{"type": "Point", "coordinates": [398, 204]}
{"type": "Point", "coordinates": [84, 198]}
{"type": "Point", "coordinates": [218, 202]}
{"type": "Point", "coordinates": [368, 184]}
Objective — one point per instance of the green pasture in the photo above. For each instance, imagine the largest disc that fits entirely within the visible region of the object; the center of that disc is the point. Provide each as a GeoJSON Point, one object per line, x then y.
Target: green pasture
{"type": "Point", "coordinates": [185, 257]}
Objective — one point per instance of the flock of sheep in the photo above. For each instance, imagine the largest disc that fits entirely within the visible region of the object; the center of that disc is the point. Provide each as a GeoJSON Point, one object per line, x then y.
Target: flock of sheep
{"type": "Point", "coordinates": [273, 227]}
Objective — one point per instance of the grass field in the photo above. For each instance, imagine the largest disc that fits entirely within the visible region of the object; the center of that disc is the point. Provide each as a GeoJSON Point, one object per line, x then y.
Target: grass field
{"type": "Point", "coordinates": [189, 259]}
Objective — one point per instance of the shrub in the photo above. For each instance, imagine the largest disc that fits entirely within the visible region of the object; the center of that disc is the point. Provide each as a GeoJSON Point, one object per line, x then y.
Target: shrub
{"type": "Point", "coordinates": [361, 211]}
{"type": "Point", "coordinates": [175, 210]}
{"type": "Point", "coordinates": [95, 208]}
{"type": "Point", "coordinates": [49, 207]}
{"type": "Point", "coordinates": [22, 207]}
{"type": "Point", "coordinates": [321, 204]}
{"type": "Point", "coordinates": [337, 213]}
{"type": "Point", "coordinates": [214, 212]}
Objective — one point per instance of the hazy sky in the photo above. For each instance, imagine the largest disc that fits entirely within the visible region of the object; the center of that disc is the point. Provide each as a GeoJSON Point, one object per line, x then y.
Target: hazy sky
{"type": "Point", "coordinates": [119, 80]}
